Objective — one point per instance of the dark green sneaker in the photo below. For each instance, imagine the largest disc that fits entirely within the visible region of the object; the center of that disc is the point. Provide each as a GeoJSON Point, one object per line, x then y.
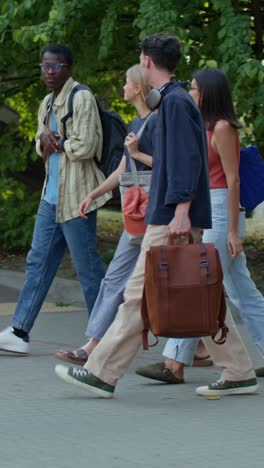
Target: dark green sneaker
{"type": "Point", "coordinates": [227, 387]}
{"type": "Point", "coordinates": [85, 380]}
{"type": "Point", "coordinates": [159, 372]}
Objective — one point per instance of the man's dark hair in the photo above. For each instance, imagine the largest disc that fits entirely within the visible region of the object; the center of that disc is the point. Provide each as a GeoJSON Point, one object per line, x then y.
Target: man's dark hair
{"type": "Point", "coordinates": [164, 50]}
{"type": "Point", "coordinates": [215, 97]}
{"type": "Point", "coordinates": [59, 49]}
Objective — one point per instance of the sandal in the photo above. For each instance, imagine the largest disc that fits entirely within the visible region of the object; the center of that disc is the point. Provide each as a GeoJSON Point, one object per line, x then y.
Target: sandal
{"type": "Point", "coordinates": [78, 357]}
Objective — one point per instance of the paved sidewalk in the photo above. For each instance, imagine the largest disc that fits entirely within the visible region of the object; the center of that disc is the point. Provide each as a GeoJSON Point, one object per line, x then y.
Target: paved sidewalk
{"type": "Point", "coordinates": [45, 423]}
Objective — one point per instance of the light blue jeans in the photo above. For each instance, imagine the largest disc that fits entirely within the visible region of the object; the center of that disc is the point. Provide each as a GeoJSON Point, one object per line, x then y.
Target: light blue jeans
{"type": "Point", "coordinates": [240, 288]}
{"type": "Point", "coordinates": [112, 287]}
{"type": "Point", "coordinates": [49, 243]}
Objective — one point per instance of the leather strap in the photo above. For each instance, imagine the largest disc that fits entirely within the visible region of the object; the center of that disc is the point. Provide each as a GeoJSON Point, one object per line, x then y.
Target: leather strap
{"type": "Point", "coordinates": [221, 322]}
{"type": "Point", "coordinates": [204, 265]}
{"type": "Point", "coordinates": [145, 322]}
{"type": "Point", "coordinates": [172, 238]}
{"type": "Point", "coordinates": [164, 278]}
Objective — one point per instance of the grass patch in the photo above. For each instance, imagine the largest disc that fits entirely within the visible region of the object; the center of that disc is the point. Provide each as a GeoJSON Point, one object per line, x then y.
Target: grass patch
{"type": "Point", "coordinates": [109, 230]}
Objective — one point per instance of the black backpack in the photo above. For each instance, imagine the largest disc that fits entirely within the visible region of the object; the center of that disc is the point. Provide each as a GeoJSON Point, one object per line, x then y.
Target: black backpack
{"type": "Point", "coordinates": [114, 133]}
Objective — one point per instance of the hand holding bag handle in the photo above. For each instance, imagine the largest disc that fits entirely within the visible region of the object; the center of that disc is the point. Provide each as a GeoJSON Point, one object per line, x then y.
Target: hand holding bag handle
{"type": "Point", "coordinates": [173, 237]}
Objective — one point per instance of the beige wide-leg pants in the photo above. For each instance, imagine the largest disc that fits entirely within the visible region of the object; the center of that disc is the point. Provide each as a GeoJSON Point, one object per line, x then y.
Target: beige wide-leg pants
{"type": "Point", "coordinates": [113, 354]}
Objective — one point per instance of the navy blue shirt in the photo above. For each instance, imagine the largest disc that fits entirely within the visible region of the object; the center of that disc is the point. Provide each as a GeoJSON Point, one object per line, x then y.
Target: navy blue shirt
{"type": "Point", "coordinates": [180, 163]}
{"type": "Point", "coordinates": [146, 141]}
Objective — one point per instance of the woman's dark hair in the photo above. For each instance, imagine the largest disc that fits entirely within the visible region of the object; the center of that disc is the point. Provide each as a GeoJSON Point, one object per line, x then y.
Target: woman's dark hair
{"type": "Point", "coordinates": [164, 50]}
{"type": "Point", "coordinates": [215, 98]}
{"type": "Point", "coordinates": [59, 49]}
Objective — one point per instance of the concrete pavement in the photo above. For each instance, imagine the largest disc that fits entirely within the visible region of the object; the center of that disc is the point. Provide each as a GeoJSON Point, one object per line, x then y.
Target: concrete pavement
{"type": "Point", "coordinates": [8, 294]}
{"type": "Point", "coordinates": [46, 423]}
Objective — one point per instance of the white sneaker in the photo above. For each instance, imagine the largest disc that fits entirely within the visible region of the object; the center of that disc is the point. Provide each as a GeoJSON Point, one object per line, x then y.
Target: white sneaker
{"type": "Point", "coordinates": [227, 387]}
{"type": "Point", "coordinates": [12, 343]}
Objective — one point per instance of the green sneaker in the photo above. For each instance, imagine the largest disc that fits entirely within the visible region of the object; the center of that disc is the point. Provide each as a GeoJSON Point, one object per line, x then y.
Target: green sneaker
{"type": "Point", "coordinates": [227, 387]}
{"type": "Point", "coordinates": [85, 380]}
{"type": "Point", "coordinates": [159, 372]}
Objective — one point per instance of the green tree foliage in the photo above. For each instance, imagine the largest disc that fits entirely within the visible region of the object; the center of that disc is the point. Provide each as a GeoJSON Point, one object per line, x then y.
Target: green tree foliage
{"type": "Point", "coordinates": [104, 37]}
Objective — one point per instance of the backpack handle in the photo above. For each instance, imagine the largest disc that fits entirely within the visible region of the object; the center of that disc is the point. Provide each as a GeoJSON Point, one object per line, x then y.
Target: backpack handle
{"type": "Point", "coordinates": [172, 238]}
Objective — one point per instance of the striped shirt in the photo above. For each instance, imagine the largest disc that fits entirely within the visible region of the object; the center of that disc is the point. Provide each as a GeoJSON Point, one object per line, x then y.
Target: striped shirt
{"type": "Point", "coordinates": [78, 172]}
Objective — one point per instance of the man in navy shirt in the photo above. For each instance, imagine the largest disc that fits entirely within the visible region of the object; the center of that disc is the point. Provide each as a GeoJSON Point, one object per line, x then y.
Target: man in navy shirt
{"type": "Point", "coordinates": [179, 203]}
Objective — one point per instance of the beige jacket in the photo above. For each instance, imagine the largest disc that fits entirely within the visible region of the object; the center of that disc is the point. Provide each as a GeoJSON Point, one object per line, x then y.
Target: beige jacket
{"type": "Point", "coordinates": [78, 172]}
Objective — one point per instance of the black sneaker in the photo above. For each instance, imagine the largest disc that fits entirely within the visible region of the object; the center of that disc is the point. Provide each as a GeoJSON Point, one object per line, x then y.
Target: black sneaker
{"type": "Point", "coordinates": [85, 380]}
{"type": "Point", "coordinates": [227, 387]}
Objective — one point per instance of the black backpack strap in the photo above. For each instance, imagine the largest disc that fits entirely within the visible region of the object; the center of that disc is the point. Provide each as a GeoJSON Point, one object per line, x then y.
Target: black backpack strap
{"type": "Point", "coordinates": [49, 106]}
{"type": "Point", "coordinates": [69, 114]}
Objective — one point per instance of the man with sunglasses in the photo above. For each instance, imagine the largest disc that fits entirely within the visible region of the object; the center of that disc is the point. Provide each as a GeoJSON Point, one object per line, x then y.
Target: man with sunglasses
{"type": "Point", "coordinates": [71, 173]}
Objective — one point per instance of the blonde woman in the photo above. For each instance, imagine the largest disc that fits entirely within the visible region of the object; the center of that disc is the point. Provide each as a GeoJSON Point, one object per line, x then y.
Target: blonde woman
{"type": "Point", "coordinates": [112, 286]}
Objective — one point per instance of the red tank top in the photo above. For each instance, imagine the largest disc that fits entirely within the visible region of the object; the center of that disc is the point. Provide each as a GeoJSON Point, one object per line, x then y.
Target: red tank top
{"type": "Point", "coordinates": [216, 172]}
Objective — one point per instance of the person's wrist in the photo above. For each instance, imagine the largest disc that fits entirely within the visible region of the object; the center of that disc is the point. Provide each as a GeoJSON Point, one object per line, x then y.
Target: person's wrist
{"type": "Point", "coordinates": [233, 232]}
{"type": "Point", "coordinates": [134, 154]}
{"type": "Point", "coordinates": [92, 196]}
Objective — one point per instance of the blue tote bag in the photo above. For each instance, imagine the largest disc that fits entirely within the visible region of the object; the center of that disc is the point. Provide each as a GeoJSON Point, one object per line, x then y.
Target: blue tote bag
{"type": "Point", "coordinates": [251, 172]}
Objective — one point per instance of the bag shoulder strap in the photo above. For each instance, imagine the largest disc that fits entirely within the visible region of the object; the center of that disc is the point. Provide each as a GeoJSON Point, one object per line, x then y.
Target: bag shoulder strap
{"type": "Point", "coordinates": [132, 161]}
{"type": "Point", "coordinates": [74, 90]}
{"type": "Point", "coordinates": [204, 265]}
{"type": "Point", "coordinates": [146, 324]}
{"type": "Point", "coordinates": [221, 322]}
{"type": "Point", "coordinates": [50, 102]}
{"type": "Point", "coordinates": [141, 130]}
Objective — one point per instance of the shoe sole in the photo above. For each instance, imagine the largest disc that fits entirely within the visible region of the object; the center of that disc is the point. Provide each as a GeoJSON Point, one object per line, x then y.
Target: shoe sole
{"type": "Point", "coordinates": [14, 350]}
{"type": "Point", "coordinates": [230, 391]}
{"type": "Point", "coordinates": [62, 372]}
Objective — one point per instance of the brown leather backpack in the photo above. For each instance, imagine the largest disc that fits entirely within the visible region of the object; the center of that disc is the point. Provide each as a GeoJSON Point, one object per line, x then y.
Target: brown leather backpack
{"type": "Point", "coordinates": [183, 293]}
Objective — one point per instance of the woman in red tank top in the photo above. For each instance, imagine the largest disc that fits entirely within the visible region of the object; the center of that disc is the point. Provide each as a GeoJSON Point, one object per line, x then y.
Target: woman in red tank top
{"type": "Point", "coordinates": [211, 93]}
{"type": "Point", "coordinates": [210, 90]}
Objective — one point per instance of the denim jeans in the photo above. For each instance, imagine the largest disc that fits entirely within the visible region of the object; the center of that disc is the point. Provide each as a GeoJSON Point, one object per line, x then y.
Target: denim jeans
{"type": "Point", "coordinates": [239, 286]}
{"type": "Point", "coordinates": [50, 240]}
{"type": "Point", "coordinates": [110, 295]}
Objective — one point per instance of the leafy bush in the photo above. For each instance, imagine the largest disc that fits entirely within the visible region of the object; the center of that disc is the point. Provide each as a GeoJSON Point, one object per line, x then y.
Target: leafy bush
{"type": "Point", "coordinates": [17, 214]}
